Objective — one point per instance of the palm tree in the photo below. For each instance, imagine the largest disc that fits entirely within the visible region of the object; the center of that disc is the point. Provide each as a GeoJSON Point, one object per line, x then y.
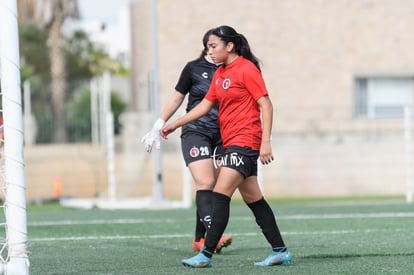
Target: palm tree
{"type": "Point", "coordinates": [52, 14]}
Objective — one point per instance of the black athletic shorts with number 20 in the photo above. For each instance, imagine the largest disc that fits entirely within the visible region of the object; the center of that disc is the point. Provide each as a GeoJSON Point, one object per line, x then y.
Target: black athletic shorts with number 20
{"type": "Point", "coordinates": [197, 146]}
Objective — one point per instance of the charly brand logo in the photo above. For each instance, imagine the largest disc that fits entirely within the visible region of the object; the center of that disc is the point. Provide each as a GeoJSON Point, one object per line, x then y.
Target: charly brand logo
{"type": "Point", "coordinates": [226, 83]}
{"type": "Point", "coordinates": [207, 219]}
{"type": "Point", "coordinates": [232, 159]}
{"type": "Point", "coordinates": [204, 75]}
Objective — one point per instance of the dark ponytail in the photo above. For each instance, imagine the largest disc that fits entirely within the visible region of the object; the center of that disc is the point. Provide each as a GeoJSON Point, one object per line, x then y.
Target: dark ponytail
{"type": "Point", "coordinates": [205, 41]}
{"type": "Point", "coordinates": [241, 45]}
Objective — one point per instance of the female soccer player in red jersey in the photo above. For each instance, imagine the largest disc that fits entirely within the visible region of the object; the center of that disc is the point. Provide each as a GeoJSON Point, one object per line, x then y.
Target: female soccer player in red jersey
{"type": "Point", "coordinates": [199, 139]}
{"type": "Point", "coordinates": [245, 119]}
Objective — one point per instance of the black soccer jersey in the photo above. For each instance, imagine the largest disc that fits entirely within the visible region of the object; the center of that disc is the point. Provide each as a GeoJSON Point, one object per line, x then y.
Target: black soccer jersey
{"type": "Point", "coordinates": [195, 80]}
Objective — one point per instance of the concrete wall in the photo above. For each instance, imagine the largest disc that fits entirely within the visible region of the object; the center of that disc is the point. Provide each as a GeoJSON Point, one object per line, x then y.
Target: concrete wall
{"type": "Point", "coordinates": [311, 53]}
{"type": "Point", "coordinates": [311, 50]}
{"type": "Point", "coordinates": [305, 166]}
{"type": "Point", "coordinates": [80, 169]}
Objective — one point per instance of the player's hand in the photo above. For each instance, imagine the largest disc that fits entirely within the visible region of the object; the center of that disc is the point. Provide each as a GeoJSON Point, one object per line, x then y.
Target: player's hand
{"type": "Point", "coordinates": [153, 136]}
{"type": "Point", "coordinates": [167, 129]}
{"type": "Point", "coordinates": [266, 155]}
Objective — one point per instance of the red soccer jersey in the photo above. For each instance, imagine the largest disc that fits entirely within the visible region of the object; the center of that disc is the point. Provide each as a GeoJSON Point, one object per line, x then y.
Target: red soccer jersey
{"type": "Point", "coordinates": [236, 87]}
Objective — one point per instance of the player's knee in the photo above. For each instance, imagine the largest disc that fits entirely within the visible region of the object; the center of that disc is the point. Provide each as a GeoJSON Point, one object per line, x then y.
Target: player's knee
{"type": "Point", "coordinates": [204, 184]}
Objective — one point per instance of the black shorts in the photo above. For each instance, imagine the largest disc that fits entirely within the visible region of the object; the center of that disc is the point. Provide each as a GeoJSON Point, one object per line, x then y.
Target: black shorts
{"type": "Point", "coordinates": [241, 159]}
{"type": "Point", "coordinates": [197, 146]}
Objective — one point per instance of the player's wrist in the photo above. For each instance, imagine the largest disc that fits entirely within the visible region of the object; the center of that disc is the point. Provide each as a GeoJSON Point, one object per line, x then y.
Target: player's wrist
{"type": "Point", "coordinates": [267, 139]}
{"type": "Point", "coordinates": [159, 123]}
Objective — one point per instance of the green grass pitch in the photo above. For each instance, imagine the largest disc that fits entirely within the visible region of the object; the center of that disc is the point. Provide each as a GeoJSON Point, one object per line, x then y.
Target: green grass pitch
{"type": "Point", "coordinates": [324, 237]}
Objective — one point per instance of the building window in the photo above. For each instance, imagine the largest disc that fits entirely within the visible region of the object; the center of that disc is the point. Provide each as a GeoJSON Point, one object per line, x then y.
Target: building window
{"type": "Point", "coordinates": [382, 97]}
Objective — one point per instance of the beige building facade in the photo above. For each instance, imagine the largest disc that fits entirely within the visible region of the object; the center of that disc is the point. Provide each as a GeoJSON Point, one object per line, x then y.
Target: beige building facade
{"type": "Point", "coordinates": [339, 73]}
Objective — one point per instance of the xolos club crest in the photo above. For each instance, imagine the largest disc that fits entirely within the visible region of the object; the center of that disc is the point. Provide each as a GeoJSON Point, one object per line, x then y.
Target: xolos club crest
{"type": "Point", "coordinates": [194, 152]}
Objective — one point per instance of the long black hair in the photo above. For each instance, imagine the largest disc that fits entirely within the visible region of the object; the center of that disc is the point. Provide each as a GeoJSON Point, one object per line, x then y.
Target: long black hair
{"type": "Point", "coordinates": [205, 42]}
{"type": "Point", "coordinates": [241, 45]}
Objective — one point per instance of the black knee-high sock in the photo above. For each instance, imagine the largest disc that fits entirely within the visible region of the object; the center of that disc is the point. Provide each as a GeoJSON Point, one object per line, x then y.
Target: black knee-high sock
{"type": "Point", "coordinates": [220, 218]}
{"type": "Point", "coordinates": [204, 210]}
{"type": "Point", "coordinates": [200, 230]}
{"type": "Point", "coordinates": [267, 222]}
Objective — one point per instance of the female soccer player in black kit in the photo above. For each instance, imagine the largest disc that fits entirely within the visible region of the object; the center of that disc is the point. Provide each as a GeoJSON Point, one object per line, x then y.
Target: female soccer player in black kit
{"type": "Point", "coordinates": [200, 139]}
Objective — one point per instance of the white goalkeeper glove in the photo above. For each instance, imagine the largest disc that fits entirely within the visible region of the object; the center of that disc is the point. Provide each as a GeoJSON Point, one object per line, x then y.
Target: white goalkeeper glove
{"type": "Point", "coordinates": [153, 136]}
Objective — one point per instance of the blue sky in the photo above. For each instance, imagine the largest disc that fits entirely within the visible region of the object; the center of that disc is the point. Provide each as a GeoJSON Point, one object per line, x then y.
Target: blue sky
{"type": "Point", "coordinates": [101, 10]}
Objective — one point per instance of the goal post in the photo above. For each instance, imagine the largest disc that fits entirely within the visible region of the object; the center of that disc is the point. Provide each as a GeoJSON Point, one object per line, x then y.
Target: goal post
{"type": "Point", "coordinates": [14, 257]}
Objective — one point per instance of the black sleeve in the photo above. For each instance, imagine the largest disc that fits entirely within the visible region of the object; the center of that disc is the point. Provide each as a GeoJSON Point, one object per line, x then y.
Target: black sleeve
{"type": "Point", "coordinates": [184, 83]}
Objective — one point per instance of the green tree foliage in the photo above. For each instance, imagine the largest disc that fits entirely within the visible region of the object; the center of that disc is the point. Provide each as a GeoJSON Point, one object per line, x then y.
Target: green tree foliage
{"type": "Point", "coordinates": [36, 64]}
{"type": "Point", "coordinates": [79, 50]}
{"type": "Point", "coordinates": [79, 115]}
{"type": "Point", "coordinates": [84, 60]}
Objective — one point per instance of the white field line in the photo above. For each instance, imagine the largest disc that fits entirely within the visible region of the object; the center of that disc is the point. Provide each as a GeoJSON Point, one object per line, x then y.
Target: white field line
{"type": "Point", "coordinates": [285, 217]}
{"type": "Point", "coordinates": [349, 216]}
{"type": "Point", "coordinates": [137, 221]}
{"type": "Point", "coordinates": [174, 236]}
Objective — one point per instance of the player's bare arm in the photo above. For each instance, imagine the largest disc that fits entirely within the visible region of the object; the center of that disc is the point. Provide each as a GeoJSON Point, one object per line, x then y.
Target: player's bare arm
{"type": "Point", "coordinates": [172, 105]}
{"type": "Point", "coordinates": [266, 155]}
{"type": "Point", "coordinates": [200, 110]}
